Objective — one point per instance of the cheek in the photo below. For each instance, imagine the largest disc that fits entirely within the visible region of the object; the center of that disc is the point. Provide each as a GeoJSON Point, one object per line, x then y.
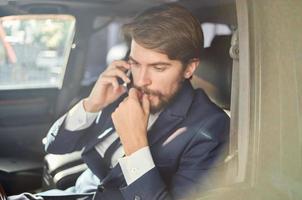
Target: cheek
{"type": "Point", "coordinates": [172, 79]}
{"type": "Point", "coordinates": [168, 85]}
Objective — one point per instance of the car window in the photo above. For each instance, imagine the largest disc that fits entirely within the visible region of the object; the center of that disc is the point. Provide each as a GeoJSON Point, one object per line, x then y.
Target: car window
{"type": "Point", "coordinates": [34, 50]}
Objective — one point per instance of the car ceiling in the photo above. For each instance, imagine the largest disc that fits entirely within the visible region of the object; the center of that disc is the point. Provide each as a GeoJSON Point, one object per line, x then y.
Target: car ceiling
{"type": "Point", "coordinates": [206, 10]}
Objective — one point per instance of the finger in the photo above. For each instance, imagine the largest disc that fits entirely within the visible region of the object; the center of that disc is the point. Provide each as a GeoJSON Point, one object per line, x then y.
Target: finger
{"type": "Point", "coordinates": [110, 80]}
{"type": "Point", "coordinates": [133, 94]}
{"type": "Point", "coordinates": [119, 73]}
{"type": "Point", "coordinates": [121, 64]}
{"type": "Point", "coordinates": [146, 104]}
{"type": "Point", "coordinates": [113, 116]}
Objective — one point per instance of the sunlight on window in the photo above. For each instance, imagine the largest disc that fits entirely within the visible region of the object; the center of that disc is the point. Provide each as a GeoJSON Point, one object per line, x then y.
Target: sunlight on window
{"type": "Point", "coordinates": [34, 50]}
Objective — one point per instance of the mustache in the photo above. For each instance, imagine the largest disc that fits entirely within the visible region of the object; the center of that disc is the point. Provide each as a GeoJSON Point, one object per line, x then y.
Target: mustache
{"type": "Point", "coordinates": [147, 91]}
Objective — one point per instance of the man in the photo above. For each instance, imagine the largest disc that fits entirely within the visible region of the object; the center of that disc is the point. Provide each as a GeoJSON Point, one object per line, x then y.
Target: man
{"type": "Point", "coordinates": [158, 140]}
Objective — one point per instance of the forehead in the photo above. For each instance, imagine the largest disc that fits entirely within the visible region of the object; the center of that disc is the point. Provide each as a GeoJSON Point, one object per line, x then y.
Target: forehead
{"type": "Point", "coordinates": [147, 56]}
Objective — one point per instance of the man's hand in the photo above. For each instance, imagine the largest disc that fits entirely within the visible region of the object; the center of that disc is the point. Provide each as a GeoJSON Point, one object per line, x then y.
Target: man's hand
{"type": "Point", "coordinates": [107, 89]}
{"type": "Point", "coordinates": [131, 120]}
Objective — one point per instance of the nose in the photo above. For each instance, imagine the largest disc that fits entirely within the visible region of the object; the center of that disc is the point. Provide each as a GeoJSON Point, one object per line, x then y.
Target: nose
{"type": "Point", "coordinates": [143, 78]}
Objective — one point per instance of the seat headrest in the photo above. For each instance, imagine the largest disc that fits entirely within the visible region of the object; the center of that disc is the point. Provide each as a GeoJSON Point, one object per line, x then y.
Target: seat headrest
{"type": "Point", "coordinates": [214, 74]}
{"type": "Point", "coordinates": [117, 52]}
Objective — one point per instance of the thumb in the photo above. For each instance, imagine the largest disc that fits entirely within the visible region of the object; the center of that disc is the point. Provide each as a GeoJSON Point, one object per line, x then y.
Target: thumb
{"type": "Point", "coordinates": [146, 104]}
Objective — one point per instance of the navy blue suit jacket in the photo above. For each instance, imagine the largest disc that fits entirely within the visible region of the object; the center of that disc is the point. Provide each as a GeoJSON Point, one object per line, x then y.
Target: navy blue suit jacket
{"type": "Point", "coordinates": [188, 139]}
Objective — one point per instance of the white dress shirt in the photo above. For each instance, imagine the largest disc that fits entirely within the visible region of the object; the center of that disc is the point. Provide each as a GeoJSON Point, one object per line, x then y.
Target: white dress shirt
{"type": "Point", "coordinates": [133, 166]}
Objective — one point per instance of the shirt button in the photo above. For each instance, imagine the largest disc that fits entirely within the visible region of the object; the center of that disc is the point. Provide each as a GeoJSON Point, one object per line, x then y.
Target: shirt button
{"type": "Point", "coordinates": [133, 170]}
{"type": "Point", "coordinates": [137, 197]}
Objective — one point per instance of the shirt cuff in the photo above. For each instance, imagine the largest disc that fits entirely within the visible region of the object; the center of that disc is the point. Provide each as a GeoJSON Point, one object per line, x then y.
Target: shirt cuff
{"type": "Point", "coordinates": [136, 165]}
{"type": "Point", "coordinates": [78, 119]}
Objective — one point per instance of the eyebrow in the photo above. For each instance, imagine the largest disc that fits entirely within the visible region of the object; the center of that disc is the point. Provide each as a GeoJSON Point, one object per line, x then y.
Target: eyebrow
{"type": "Point", "coordinates": [151, 64]}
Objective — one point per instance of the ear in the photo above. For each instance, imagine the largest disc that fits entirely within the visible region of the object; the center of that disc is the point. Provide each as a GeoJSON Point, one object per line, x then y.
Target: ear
{"type": "Point", "coordinates": [191, 67]}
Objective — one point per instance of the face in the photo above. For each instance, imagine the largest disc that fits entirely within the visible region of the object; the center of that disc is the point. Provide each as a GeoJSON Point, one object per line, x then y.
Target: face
{"type": "Point", "coordinates": [156, 75]}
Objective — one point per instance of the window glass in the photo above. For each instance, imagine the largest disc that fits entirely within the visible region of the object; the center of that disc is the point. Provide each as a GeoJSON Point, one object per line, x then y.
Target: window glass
{"type": "Point", "coordinates": [34, 50]}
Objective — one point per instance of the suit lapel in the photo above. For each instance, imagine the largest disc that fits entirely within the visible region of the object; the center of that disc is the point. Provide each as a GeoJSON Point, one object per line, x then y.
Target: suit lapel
{"type": "Point", "coordinates": [105, 126]}
{"type": "Point", "coordinates": [163, 125]}
{"type": "Point", "coordinates": [173, 115]}
{"type": "Point", "coordinates": [99, 134]}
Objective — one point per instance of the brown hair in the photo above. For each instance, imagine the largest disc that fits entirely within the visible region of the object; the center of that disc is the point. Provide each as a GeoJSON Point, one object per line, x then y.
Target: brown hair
{"type": "Point", "coordinates": [169, 29]}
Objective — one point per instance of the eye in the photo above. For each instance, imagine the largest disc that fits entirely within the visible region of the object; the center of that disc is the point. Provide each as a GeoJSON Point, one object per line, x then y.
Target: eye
{"type": "Point", "coordinates": [159, 68]}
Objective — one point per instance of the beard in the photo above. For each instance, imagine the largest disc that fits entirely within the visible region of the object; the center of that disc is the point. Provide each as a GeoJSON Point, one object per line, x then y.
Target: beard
{"type": "Point", "coordinates": [163, 100]}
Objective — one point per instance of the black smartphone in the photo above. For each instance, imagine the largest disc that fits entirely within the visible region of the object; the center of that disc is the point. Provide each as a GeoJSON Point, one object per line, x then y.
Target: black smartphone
{"type": "Point", "coordinates": [127, 85]}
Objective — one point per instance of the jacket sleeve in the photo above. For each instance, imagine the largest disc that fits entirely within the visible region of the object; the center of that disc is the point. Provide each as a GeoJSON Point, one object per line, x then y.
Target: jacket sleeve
{"type": "Point", "coordinates": [61, 141]}
{"type": "Point", "coordinates": [194, 173]}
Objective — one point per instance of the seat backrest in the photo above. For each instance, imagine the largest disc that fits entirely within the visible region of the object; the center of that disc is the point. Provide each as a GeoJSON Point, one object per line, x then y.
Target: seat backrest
{"type": "Point", "coordinates": [214, 74]}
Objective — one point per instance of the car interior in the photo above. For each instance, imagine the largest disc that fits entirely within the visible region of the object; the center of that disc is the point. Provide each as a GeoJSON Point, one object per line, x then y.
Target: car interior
{"type": "Point", "coordinates": [28, 111]}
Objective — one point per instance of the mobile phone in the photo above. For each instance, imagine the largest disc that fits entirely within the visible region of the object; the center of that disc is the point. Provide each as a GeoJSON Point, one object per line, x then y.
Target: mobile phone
{"type": "Point", "coordinates": [126, 85]}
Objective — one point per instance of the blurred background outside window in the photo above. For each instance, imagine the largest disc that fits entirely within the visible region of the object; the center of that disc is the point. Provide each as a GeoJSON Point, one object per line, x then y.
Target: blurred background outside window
{"type": "Point", "coordinates": [34, 50]}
